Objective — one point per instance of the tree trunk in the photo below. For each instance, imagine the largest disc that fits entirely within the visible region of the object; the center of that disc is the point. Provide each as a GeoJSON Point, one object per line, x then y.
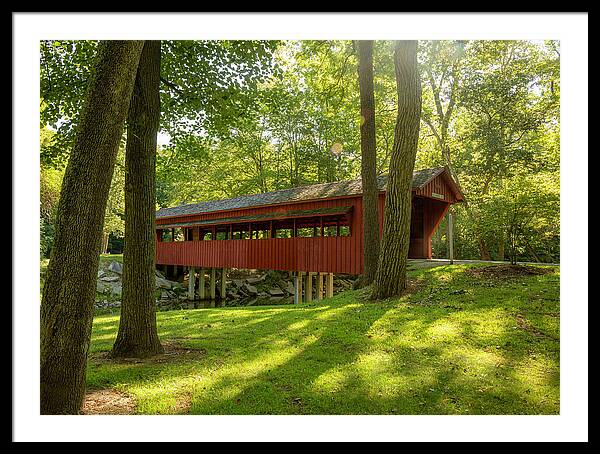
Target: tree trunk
{"type": "Point", "coordinates": [137, 336]}
{"type": "Point", "coordinates": [368, 162]}
{"type": "Point", "coordinates": [501, 246]}
{"type": "Point", "coordinates": [390, 279]}
{"type": "Point", "coordinates": [484, 252]}
{"type": "Point", "coordinates": [70, 288]}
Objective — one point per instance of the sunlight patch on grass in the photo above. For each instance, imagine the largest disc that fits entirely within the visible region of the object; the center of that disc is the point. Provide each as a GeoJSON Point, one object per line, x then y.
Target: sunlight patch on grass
{"type": "Point", "coordinates": [453, 347]}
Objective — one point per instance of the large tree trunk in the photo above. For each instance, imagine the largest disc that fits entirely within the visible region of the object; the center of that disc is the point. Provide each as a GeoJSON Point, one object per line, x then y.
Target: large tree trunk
{"type": "Point", "coordinates": [390, 279]}
{"type": "Point", "coordinates": [137, 336]}
{"type": "Point", "coordinates": [70, 288]}
{"type": "Point", "coordinates": [484, 252]}
{"type": "Point", "coordinates": [368, 162]}
{"type": "Point", "coordinates": [501, 245]}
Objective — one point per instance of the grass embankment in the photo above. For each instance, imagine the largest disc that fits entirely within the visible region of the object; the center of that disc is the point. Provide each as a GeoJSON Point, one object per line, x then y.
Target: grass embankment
{"type": "Point", "coordinates": [462, 343]}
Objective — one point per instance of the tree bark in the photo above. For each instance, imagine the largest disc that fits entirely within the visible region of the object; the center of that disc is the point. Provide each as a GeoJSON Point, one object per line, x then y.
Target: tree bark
{"type": "Point", "coordinates": [70, 287]}
{"type": "Point", "coordinates": [390, 279]}
{"type": "Point", "coordinates": [368, 162]}
{"type": "Point", "coordinates": [138, 336]}
{"type": "Point", "coordinates": [501, 244]}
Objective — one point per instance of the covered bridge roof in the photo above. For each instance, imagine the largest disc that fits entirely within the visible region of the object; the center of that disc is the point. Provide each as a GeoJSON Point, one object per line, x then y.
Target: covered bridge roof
{"type": "Point", "coordinates": [298, 194]}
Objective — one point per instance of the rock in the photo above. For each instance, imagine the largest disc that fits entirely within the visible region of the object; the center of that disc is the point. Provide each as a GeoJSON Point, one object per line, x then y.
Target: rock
{"type": "Point", "coordinates": [275, 299]}
{"type": "Point", "coordinates": [159, 274]}
{"type": "Point", "coordinates": [115, 267]}
{"type": "Point", "coordinates": [165, 296]}
{"type": "Point", "coordinates": [116, 288]}
{"type": "Point", "coordinates": [277, 291]}
{"type": "Point", "coordinates": [164, 283]}
{"type": "Point", "coordinates": [263, 295]}
{"type": "Point", "coordinates": [177, 285]}
{"type": "Point", "coordinates": [251, 289]}
{"type": "Point", "coordinates": [101, 287]}
{"type": "Point", "coordinates": [256, 280]}
{"type": "Point", "coordinates": [238, 283]}
{"type": "Point", "coordinates": [101, 273]}
{"type": "Point", "coordinates": [290, 288]}
{"type": "Point", "coordinates": [110, 278]}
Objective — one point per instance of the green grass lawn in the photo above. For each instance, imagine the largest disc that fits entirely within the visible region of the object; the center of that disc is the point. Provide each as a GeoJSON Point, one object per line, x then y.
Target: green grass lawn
{"type": "Point", "coordinates": [460, 344]}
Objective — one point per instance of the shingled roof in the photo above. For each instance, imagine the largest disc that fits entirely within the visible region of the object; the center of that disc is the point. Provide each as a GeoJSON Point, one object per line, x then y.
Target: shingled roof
{"type": "Point", "coordinates": [298, 194]}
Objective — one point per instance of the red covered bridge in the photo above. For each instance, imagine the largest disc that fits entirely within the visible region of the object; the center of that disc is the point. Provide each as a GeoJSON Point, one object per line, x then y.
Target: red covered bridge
{"type": "Point", "coordinates": [309, 229]}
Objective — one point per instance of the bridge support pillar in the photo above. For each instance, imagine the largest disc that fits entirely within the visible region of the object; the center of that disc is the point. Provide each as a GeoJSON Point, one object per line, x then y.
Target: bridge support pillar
{"type": "Point", "coordinates": [319, 286]}
{"type": "Point", "coordinates": [450, 237]}
{"type": "Point", "coordinates": [192, 283]}
{"type": "Point", "coordinates": [329, 285]}
{"type": "Point", "coordinates": [308, 287]}
{"type": "Point", "coordinates": [213, 283]}
{"type": "Point", "coordinates": [298, 287]}
{"type": "Point", "coordinates": [223, 289]}
{"type": "Point", "coordinates": [201, 282]}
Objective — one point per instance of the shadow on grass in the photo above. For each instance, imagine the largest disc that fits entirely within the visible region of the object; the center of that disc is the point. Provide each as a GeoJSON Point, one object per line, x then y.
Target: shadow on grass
{"type": "Point", "coordinates": [438, 351]}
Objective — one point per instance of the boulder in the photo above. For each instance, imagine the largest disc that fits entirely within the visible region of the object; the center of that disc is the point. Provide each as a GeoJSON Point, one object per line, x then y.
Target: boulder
{"type": "Point", "coordinates": [116, 267]}
{"type": "Point", "coordinates": [110, 278]}
{"type": "Point", "coordinates": [277, 292]}
{"type": "Point", "coordinates": [165, 295]}
{"type": "Point", "coordinates": [102, 287]}
{"type": "Point", "coordinates": [115, 288]}
{"type": "Point", "coordinates": [238, 283]}
{"type": "Point", "coordinates": [256, 280]}
{"type": "Point", "coordinates": [159, 274]}
{"type": "Point", "coordinates": [290, 288]}
{"type": "Point", "coordinates": [167, 284]}
{"type": "Point", "coordinates": [252, 290]}
{"type": "Point", "coordinates": [101, 273]}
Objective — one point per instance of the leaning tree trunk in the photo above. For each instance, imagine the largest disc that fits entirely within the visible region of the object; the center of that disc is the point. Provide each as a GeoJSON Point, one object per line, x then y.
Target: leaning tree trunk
{"type": "Point", "coordinates": [368, 162]}
{"type": "Point", "coordinates": [70, 288]}
{"type": "Point", "coordinates": [137, 336]}
{"type": "Point", "coordinates": [390, 279]}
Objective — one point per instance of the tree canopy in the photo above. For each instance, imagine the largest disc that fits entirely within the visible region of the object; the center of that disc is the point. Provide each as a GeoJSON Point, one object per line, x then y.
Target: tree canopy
{"type": "Point", "coordinates": [242, 117]}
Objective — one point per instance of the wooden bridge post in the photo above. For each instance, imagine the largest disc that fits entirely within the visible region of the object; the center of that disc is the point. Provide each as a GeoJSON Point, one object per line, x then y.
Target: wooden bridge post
{"type": "Point", "coordinates": [298, 287]}
{"type": "Point", "coordinates": [201, 281]}
{"type": "Point", "coordinates": [308, 287]}
{"type": "Point", "coordinates": [450, 237]}
{"type": "Point", "coordinates": [223, 289]}
{"type": "Point", "coordinates": [213, 283]}
{"type": "Point", "coordinates": [192, 283]}
{"type": "Point", "coordinates": [319, 286]}
{"type": "Point", "coordinates": [329, 285]}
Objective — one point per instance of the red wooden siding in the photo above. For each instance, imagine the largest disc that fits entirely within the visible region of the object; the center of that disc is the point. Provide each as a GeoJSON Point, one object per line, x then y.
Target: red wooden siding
{"type": "Point", "coordinates": [326, 254]}
{"type": "Point", "coordinates": [342, 254]}
{"type": "Point", "coordinates": [317, 254]}
{"type": "Point", "coordinates": [438, 189]}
